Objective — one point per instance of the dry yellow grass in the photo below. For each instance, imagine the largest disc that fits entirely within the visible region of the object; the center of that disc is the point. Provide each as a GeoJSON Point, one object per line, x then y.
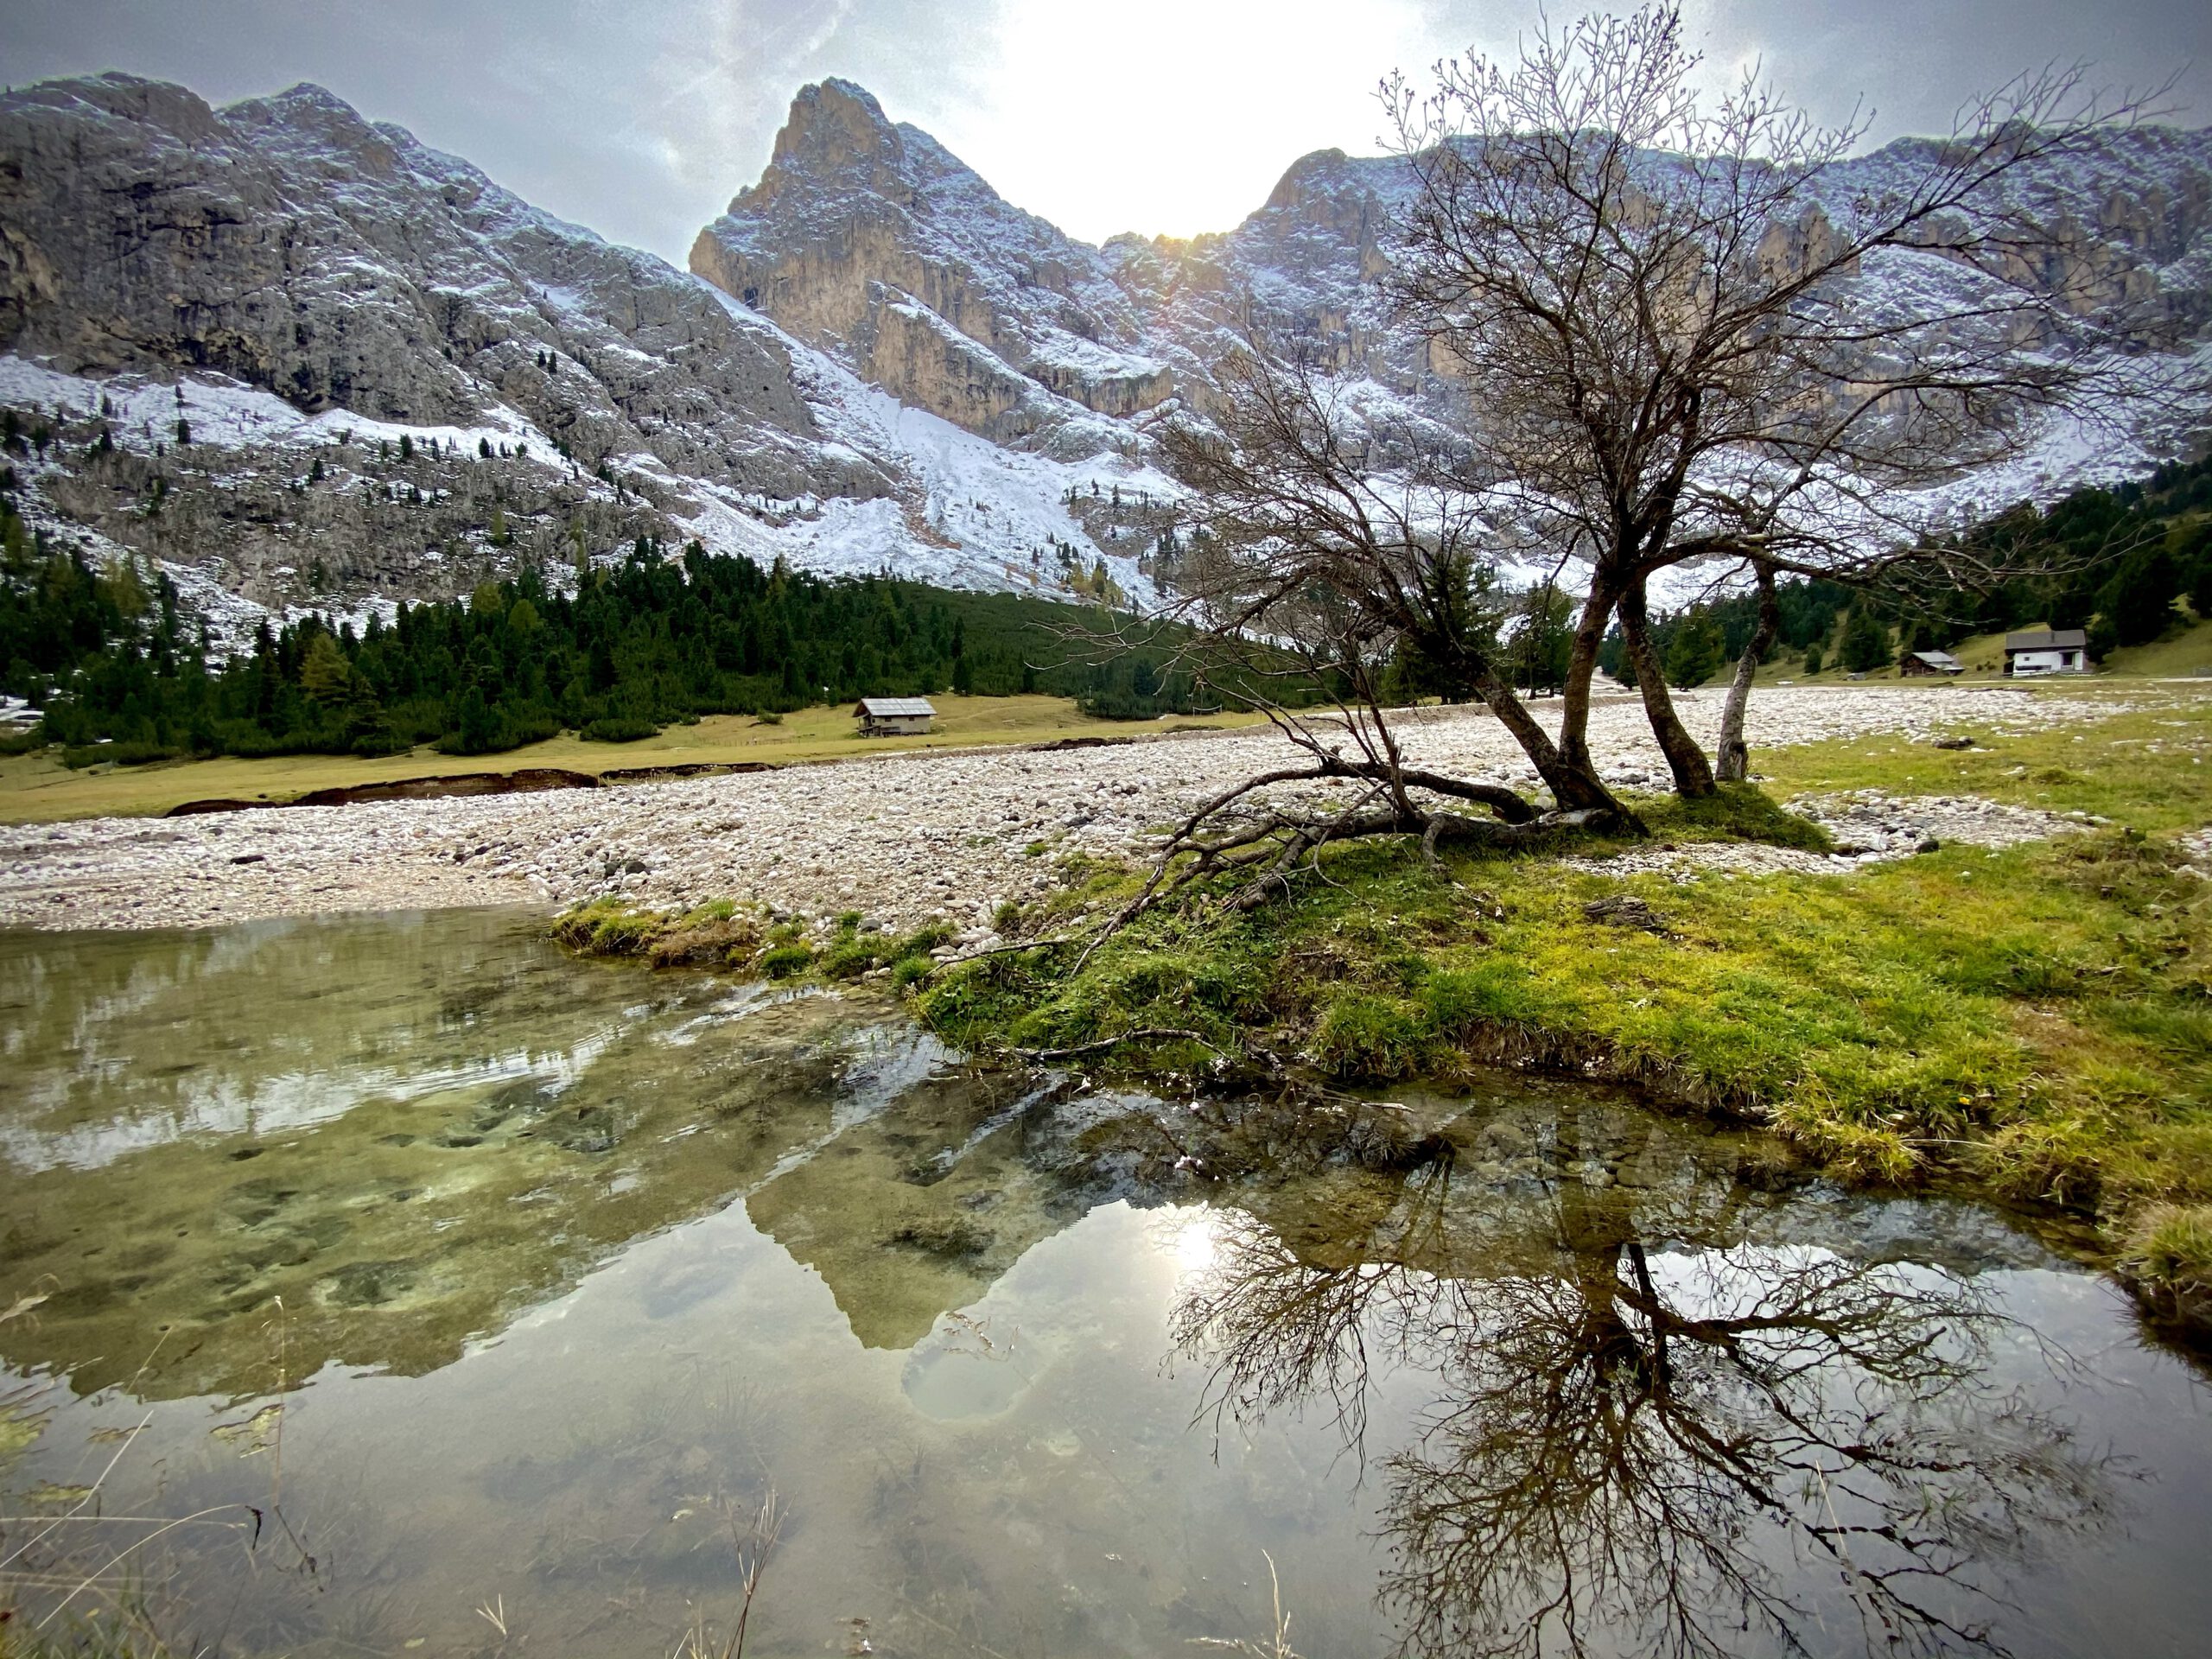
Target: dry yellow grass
{"type": "Point", "coordinates": [37, 789]}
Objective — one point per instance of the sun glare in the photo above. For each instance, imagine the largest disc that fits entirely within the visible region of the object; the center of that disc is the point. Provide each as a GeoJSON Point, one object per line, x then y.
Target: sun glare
{"type": "Point", "coordinates": [1194, 1242]}
{"type": "Point", "coordinates": [1169, 81]}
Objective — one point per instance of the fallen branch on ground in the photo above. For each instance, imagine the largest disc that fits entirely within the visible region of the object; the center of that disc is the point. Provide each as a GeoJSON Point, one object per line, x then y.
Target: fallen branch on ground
{"type": "Point", "coordinates": [1002, 951]}
{"type": "Point", "coordinates": [1147, 1033]}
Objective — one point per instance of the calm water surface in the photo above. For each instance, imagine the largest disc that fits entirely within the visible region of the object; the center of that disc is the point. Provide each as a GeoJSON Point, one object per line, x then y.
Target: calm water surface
{"type": "Point", "coordinates": [399, 1285]}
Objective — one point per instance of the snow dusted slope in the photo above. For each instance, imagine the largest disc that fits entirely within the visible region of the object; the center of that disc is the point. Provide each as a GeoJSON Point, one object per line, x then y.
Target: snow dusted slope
{"type": "Point", "coordinates": [292, 245]}
{"type": "Point", "coordinates": [867, 240]}
{"type": "Point", "coordinates": [305, 288]}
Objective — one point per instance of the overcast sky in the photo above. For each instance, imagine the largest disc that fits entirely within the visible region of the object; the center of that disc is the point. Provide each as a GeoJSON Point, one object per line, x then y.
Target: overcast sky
{"type": "Point", "coordinates": [641, 117]}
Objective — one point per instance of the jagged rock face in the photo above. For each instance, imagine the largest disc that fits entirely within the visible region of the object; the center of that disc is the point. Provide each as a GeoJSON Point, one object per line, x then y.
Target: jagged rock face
{"type": "Point", "coordinates": [870, 241]}
{"type": "Point", "coordinates": [289, 272]}
{"type": "Point", "coordinates": [873, 241]}
{"type": "Point", "coordinates": [290, 245]}
{"type": "Point", "coordinates": [370, 522]}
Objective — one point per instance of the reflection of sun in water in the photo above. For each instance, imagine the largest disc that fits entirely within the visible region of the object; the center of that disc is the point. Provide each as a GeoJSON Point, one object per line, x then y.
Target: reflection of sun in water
{"type": "Point", "coordinates": [1192, 1240]}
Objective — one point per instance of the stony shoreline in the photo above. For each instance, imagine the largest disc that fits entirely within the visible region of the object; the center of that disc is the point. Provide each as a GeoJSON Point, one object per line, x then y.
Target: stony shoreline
{"type": "Point", "coordinates": [903, 839]}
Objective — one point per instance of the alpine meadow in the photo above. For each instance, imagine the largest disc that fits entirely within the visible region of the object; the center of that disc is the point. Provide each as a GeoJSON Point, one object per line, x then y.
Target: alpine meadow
{"type": "Point", "coordinates": [1474, 920]}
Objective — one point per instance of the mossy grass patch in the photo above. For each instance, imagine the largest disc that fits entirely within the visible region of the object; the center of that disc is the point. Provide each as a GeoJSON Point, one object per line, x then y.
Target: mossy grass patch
{"type": "Point", "coordinates": [2036, 1021]}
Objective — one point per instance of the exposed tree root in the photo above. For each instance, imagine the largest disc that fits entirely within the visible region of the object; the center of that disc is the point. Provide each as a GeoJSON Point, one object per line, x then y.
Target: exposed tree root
{"type": "Point", "coordinates": [1271, 849]}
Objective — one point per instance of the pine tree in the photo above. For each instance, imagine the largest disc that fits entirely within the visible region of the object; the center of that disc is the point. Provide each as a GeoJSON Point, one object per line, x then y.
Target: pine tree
{"type": "Point", "coordinates": [1866, 642]}
{"type": "Point", "coordinates": [325, 675]}
{"type": "Point", "coordinates": [2140, 600]}
{"type": "Point", "coordinates": [1694, 654]}
{"type": "Point", "coordinates": [1546, 639]}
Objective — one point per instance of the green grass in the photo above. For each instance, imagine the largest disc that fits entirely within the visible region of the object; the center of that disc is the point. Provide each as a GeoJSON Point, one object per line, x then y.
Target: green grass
{"type": "Point", "coordinates": [2168, 1258]}
{"type": "Point", "coordinates": [720, 934]}
{"type": "Point", "coordinates": [2037, 1021]}
{"type": "Point", "coordinates": [2034, 1022]}
{"type": "Point", "coordinates": [2146, 770]}
{"type": "Point", "coordinates": [2185, 650]}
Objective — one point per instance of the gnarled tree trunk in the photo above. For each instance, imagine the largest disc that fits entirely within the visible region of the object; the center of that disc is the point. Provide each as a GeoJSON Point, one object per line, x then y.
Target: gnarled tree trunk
{"type": "Point", "coordinates": [1692, 774]}
{"type": "Point", "coordinates": [1572, 780]}
{"type": "Point", "coordinates": [1581, 668]}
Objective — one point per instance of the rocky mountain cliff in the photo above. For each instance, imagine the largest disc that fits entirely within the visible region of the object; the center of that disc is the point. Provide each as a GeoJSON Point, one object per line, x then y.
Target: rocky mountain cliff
{"type": "Point", "coordinates": [871, 241]}
{"type": "Point", "coordinates": [300, 359]}
{"type": "Point", "coordinates": [217, 328]}
{"type": "Point", "coordinates": [868, 240]}
{"type": "Point", "coordinates": [289, 244]}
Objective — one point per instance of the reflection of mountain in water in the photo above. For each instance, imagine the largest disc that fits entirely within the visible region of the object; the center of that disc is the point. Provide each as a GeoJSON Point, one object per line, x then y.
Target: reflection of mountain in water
{"type": "Point", "coordinates": [1671, 1413]}
{"type": "Point", "coordinates": [918, 1212]}
{"type": "Point", "coordinates": [1572, 1376]}
{"type": "Point", "coordinates": [409, 1129]}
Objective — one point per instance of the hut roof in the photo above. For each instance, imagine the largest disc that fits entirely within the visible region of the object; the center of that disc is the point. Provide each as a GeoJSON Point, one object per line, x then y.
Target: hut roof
{"type": "Point", "coordinates": [888, 707]}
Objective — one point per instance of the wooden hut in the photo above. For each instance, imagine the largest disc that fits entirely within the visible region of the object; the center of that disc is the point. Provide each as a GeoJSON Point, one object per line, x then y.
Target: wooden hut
{"type": "Point", "coordinates": [1931, 662]}
{"type": "Point", "coordinates": [893, 717]}
{"type": "Point", "coordinates": [2046, 650]}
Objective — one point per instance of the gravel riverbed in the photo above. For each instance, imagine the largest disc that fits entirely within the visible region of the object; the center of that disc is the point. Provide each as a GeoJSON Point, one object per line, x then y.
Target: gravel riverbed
{"type": "Point", "coordinates": [899, 837]}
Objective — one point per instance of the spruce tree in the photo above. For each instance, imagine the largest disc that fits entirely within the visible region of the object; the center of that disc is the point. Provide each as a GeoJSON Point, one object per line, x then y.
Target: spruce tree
{"type": "Point", "coordinates": [1865, 641]}
{"type": "Point", "coordinates": [2139, 600]}
{"type": "Point", "coordinates": [1694, 656]}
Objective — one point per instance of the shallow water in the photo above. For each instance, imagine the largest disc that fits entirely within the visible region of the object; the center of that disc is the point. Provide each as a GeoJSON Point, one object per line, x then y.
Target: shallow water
{"type": "Point", "coordinates": [400, 1286]}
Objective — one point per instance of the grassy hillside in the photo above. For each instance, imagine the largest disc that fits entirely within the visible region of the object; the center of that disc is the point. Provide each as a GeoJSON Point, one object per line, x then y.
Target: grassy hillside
{"type": "Point", "coordinates": [2180, 654]}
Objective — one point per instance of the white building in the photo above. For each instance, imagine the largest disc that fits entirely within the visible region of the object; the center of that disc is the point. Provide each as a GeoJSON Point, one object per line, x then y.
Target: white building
{"type": "Point", "coordinates": [2065, 650]}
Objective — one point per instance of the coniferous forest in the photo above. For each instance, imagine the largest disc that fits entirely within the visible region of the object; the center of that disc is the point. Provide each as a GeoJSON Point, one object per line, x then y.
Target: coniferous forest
{"type": "Point", "coordinates": [2122, 560]}
{"type": "Point", "coordinates": [110, 655]}
{"type": "Point", "coordinates": [121, 672]}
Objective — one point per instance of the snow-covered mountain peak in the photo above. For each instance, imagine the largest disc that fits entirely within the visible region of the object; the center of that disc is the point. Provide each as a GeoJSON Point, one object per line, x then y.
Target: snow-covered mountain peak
{"type": "Point", "coordinates": [836, 130]}
{"type": "Point", "coordinates": [274, 294]}
{"type": "Point", "coordinates": [874, 243]}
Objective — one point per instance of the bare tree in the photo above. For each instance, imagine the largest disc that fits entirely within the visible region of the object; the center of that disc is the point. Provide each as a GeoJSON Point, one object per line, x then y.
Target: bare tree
{"type": "Point", "coordinates": [1337, 540]}
{"type": "Point", "coordinates": [1732, 763]}
{"type": "Point", "coordinates": [1619, 1458]}
{"type": "Point", "coordinates": [1672, 321]}
{"type": "Point", "coordinates": [1672, 348]}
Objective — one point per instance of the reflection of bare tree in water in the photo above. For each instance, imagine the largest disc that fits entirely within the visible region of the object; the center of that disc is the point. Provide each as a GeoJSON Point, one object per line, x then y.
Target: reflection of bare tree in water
{"type": "Point", "coordinates": [1694, 1455]}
